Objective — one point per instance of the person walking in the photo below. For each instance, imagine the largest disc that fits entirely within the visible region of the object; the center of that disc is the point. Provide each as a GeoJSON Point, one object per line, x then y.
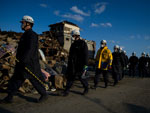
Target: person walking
{"type": "Point", "coordinates": [123, 63]}
{"type": "Point", "coordinates": [27, 56]}
{"type": "Point", "coordinates": [142, 65]}
{"type": "Point", "coordinates": [77, 62]}
{"type": "Point", "coordinates": [103, 61]}
{"type": "Point", "coordinates": [133, 62]}
{"type": "Point", "coordinates": [117, 64]}
{"type": "Point", "coordinates": [147, 65]}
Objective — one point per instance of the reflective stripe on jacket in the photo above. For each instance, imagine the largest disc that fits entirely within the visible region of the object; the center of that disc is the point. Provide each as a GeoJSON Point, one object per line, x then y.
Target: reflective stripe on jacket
{"type": "Point", "coordinates": [104, 58]}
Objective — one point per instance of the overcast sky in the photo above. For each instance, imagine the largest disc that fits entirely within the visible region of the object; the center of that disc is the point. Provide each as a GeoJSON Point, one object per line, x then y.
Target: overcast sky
{"type": "Point", "coordinates": [122, 22]}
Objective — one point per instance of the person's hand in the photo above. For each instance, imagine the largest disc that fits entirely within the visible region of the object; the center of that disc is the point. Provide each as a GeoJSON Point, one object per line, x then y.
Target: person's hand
{"type": "Point", "coordinates": [109, 67]}
{"type": "Point", "coordinates": [85, 68]}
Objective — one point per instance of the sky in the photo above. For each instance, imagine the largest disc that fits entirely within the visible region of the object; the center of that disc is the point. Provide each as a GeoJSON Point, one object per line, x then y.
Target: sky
{"type": "Point", "coordinates": [120, 22]}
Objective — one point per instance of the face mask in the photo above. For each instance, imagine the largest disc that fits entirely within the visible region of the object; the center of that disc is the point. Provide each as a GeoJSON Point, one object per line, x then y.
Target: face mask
{"type": "Point", "coordinates": [102, 45]}
{"type": "Point", "coordinates": [115, 50]}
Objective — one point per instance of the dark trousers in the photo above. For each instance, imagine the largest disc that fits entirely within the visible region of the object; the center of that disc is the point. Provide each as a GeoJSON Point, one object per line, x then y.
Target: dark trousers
{"type": "Point", "coordinates": [98, 73]}
{"type": "Point", "coordinates": [142, 72]}
{"type": "Point", "coordinates": [148, 71]}
{"type": "Point", "coordinates": [17, 80]}
{"type": "Point", "coordinates": [132, 70]}
{"type": "Point", "coordinates": [70, 80]}
{"type": "Point", "coordinates": [116, 77]}
{"type": "Point", "coordinates": [123, 73]}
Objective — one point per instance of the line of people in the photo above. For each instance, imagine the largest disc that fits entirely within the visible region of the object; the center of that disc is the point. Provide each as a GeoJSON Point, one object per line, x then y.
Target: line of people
{"type": "Point", "coordinates": [27, 54]}
{"type": "Point", "coordinates": [141, 64]}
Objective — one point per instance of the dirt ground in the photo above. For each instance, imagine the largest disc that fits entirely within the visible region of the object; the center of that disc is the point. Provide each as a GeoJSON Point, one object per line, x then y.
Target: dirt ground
{"type": "Point", "coordinates": [131, 95]}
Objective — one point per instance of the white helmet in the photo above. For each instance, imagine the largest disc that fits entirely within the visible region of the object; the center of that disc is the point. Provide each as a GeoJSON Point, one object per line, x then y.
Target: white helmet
{"type": "Point", "coordinates": [147, 54]}
{"type": "Point", "coordinates": [120, 48]}
{"type": "Point", "coordinates": [103, 42]}
{"type": "Point", "coordinates": [76, 32]}
{"type": "Point", "coordinates": [134, 53]}
{"type": "Point", "coordinates": [116, 47]}
{"type": "Point", "coordinates": [124, 52]}
{"type": "Point", "coordinates": [28, 19]}
{"type": "Point", "coordinates": [143, 53]}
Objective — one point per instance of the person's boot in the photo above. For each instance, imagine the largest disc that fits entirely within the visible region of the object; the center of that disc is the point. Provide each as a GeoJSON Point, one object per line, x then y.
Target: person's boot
{"type": "Point", "coordinates": [94, 87]}
{"type": "Point", "coordinates": [105, 85]}
{"type": "Point", "coordinates": [86, 90]}
{"type": "Point", "coordinates": [65, 93]}
{"type": "Point", "coordinates": [43, 98]}
{"type": "Point", "coordinates": [115, 83]}
{"type": "Point", "coordinates": [7, 100]}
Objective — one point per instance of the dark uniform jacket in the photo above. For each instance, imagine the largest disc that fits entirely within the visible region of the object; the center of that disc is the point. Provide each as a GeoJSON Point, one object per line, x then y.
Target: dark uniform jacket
{"type": "Point", "coordinates": [148, 62]}
{"type": "Point", "coordinates": [27, 54]}
{"type": "Point", "coordinates": [133, 60]}
{"type": "Point", "coordinates": [126, 60]}
{"type": "Point", "coordinates": [118, 62]}
{"type": "Point", "coordinates": [142, 62]}
{"type": "Point", "coordinates": [78, 57]}
{"type": "Point", "coordinates": [123, 59]}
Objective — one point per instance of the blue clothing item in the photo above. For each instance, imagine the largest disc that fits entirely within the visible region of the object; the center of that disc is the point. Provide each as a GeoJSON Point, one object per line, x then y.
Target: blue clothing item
{"type": "Point", "coordinates": [104, 65]}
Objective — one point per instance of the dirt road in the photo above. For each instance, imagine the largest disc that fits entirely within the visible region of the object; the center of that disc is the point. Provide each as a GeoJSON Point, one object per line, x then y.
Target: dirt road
{"type": "Point", "coordinates": [132, 95]}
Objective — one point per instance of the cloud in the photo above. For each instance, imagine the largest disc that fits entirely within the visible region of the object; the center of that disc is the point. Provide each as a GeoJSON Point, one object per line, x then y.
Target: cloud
{"type": "Point", "coordinates": [69, 15]}
{"type": "Point", "coordinates": [147, 38]}
{"type": "Point", "coordinates": [106, 24]}
{"type": "Point", "coordinates": [100, 3]}
{"type": "Point", "coordinates": [74, 17]}
{"type": "Point", "coordinates": [132, 37]}
{"type": "Point", "coordinates": [139, 37]}
{"type": "Point", "coordinates": [94, 25]}
{"type": "Point", "coordinates": [57, 12]}
{"type": "Point", "coordinates": [43, 5]}
{"type": "Point", "coordinates": [78, 11]}
{"type": "Point", "coordinates": [100, 7]}
{"type": "Point", "coordinates": [113, 41]}
{"type": "Point", "coordinates": [148, 47]}
{"type": "Point", "coordinates": [122, 47]}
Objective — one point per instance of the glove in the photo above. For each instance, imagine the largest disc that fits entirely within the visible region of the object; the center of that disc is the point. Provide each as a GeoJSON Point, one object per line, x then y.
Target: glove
{"type": "Point", "coordinates": [83, 76]}
{"type": "Point", "coordinates": [127, 66]}
{"type": "Point", "coordinates": [85, 68]}
{"type": "Point", "coordinates": [109, 67]}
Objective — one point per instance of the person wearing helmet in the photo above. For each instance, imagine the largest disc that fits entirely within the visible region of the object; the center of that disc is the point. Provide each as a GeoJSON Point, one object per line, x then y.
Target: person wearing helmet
{"type": "Point", "coordinates": [27, 54]}
{"type": "Point", "coordinates": [77, 62]}
{"type": "Point", "coordinates": [123, 64]}
{"type": "Point", "coordinates": [103, 63]}
{"type": "Point", "coordinates": [142, 65]}
{"type": "Point", "coordinates": [133, 61]}
{"type": "Point", "coordinates": [126, 63]}
{"type": "Point", "coordinates": [116, 64]}
{"type": "Point", "coordinates": [126, 59]}
{"type": "Point", "coordinates": [26, 22]}
{"type": "Point", "coordinates": [147, 65]}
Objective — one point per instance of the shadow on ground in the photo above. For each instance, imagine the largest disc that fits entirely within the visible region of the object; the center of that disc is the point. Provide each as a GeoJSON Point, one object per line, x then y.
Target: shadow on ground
{"type": "Point", "coordinates": [2, 110]}
{"type": "Point", "coordinates": [136, 109]}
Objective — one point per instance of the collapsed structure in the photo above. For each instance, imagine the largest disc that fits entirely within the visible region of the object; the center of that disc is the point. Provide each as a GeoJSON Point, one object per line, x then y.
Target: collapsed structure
{"type": "Point", "coordinates": [62, 31]}
{"type": "Point", "coordinates": [55, 45]}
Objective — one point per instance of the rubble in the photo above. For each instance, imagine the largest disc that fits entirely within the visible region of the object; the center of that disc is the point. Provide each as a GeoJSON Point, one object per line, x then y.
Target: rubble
{"type": "Point", "coordinates": [54, 53]}
{"type": "Point", "coordinates": [55, 46]}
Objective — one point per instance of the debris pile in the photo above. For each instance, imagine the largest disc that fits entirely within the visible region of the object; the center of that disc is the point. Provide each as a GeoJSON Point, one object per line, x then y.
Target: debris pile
{"type": "Point", "coordinates": [54, 55]}
{"type": "Point", "coordinates": [51, 48]}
